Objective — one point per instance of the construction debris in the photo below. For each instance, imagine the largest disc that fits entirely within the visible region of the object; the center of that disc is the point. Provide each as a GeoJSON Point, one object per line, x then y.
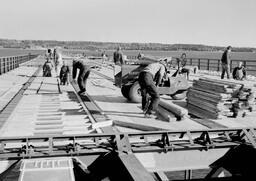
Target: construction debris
{"type": "Point", "coordinates": [213, 99]}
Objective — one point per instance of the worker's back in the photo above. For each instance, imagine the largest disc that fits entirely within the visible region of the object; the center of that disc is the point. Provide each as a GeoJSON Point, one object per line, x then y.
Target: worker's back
{"type": "Point", "coordinates": [155, 68]}
{"type": "Point", "coordinates": [81, 65]}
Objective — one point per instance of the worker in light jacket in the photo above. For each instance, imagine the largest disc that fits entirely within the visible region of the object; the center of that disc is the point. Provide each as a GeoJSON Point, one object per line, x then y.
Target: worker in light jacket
{"type": "Point", "coordinates": [149, 79]}
{"type": "Point", "coordinates": [84, 72]}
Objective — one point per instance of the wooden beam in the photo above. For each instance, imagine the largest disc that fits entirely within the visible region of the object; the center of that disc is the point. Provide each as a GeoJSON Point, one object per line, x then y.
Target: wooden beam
{"type": "Point", "coordinates": [118, 166]}
{"type": "Point", "coordinates": [139, 125]}
{"type": "Point", "coordinates": [174, 108]}
{"type": "Point", "coordinates": [165, 114]}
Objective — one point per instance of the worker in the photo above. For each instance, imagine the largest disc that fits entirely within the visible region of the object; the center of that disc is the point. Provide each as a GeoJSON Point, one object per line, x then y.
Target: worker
{"type": "Point", "coordinates": [64, 74]}
{"type": "Point", "coordinates": [183, 68]}
{"type": "Point", "coordinates": [58, 62]}
{"type": "Point", "coordinates": [84, 71]}
{"type": "Point", "coordinates": [225, 62]}
{"type": "Point", "coordinates": [47, 68]}
{"type": "Point", "coordinates": [118, 61]}
{"type": "Point", "coordinates": [48, 54]}
{"type": "Point", "coordinates": [239, 72]}
{"type": "Point", "coordinates": [149, 79]}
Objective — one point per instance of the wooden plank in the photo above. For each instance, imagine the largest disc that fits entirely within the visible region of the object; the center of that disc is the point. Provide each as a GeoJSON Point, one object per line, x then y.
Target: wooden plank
{"type": "Point", "coordinates": [137, 125]}
{"type": "Point", "coordinates": [201, 113]}
{"type": "Point", "coordinates": [202, 103]}
{"type": "Point", "coordinates": [209, 86]}
{"type": "Point", "coordinates": [136, 170]}
{"type": "Point", "coordinates": [209, 95]}
{"type": "Point", "coordinates": [205, 89]}
{"type": "Point", "coordinates": [209, 123]}
{"type": "Point", "coordinates": [225, 82]}
{"type": "Point", "coordinates": [202, 106]}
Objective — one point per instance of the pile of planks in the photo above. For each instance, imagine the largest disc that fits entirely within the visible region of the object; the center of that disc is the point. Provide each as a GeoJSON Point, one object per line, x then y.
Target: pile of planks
{"type": "Point", "coordinates": [213, 99]}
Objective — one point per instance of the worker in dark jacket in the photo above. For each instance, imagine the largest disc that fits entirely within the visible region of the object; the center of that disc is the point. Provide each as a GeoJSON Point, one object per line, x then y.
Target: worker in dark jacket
{"type": "Point", "coordinates": [84, 71]}
{"type": "Point", "coordinates": [149, 79]}
{"type": "Point", "coordinates": [118, 57]}
{"type": "Point", "coordinates": [225, 62]}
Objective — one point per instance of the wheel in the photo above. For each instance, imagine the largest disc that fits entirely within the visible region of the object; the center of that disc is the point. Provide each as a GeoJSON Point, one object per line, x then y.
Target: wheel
{"type": "Point", "coordinates": [125, 91]}
{"type": "Point", "coordinates": [135, 93]}
{"type": "Point", "coordinates": [179, 96]}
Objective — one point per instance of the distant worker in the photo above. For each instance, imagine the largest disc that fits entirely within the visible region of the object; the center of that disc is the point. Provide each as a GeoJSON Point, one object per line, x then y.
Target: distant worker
{"type": "Point", "coordinates": [183, 67]}
{"type": "Point", "coordinates": [151, 77]}
{"type": "Point", "coordinates": [47, 68]}
{"type": "Point", "coordinates": [48, 54]}
{"type": "Point", "coordinates": [239, 72]}
{"type": "Point", "coordinates": [64, 74]}
{"type": "Point", "coordinates": [118, 57]}
{"type": "Point", "coordinates": [104, 58]}
{"type": "Point", "coordinates": [54, 54]}
{"type": "Point", "coordinates": [58, 61]}
{"type": "Point", "coordinates": [225, 62]}
{"type": "Point", "coordinates": [118, 61]}
{"type": "Point", "coordinates": [84, 72]}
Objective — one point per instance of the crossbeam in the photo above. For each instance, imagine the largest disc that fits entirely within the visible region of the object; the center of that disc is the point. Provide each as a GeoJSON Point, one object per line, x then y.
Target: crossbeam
{"type": "Point", "coordinates": [141, 142]}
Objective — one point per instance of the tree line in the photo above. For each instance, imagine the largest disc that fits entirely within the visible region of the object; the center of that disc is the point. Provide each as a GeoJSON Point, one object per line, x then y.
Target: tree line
{"type": "Point", "coordinates": [90, 45]}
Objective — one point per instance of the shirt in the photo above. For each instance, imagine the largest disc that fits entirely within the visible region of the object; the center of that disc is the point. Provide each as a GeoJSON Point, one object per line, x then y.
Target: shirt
{"type": "Point", "coordinates": [157, 70]}
{"type": "Point", "coordinates": [118, 57]}
{"type": "Point", "coordinates": [81, 66]}
{"type": "Point", "coordinates": [225, 59]}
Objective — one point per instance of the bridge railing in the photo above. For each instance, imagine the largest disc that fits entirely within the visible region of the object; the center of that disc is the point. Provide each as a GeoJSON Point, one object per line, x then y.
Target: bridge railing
{"type": "Point", "coordinates": [12, 62]}
{"type": "Point", "coordinates": [215, 64]}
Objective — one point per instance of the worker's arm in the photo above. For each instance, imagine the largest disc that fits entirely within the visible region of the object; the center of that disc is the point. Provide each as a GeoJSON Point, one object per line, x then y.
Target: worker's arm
{"type": "Point", "coordinates": [228, 58]}
{"type": "Point", "coordinates": [244, 73]}
{"type": "Point", "coordinates": [74, 71]}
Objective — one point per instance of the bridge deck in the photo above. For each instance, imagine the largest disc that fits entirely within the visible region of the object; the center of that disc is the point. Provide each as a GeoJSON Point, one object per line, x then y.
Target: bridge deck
{"type": "Point", "coordinates": [44, 110]}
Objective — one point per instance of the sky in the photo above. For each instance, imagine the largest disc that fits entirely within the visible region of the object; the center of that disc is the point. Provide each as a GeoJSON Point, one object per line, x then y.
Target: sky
{"type": "Point", "coordinates": [208, 22]}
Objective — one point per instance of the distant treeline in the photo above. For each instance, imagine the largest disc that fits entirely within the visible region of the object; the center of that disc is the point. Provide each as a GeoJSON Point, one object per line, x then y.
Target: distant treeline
{"type": "Point", "coordinates": [89, 45]}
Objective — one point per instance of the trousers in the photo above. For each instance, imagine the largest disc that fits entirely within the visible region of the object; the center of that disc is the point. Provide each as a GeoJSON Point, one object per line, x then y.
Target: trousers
{"type": "Point", "coordinates": [82, 79]}
{"type": "Point", "coordinates": [149, 92]}
{"type": "Point", "coordinates": [225, 69]}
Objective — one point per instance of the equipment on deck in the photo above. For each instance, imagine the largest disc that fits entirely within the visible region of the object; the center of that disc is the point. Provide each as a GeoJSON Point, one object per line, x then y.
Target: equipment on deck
{"type": "Point", "coordinates": [127, 79]}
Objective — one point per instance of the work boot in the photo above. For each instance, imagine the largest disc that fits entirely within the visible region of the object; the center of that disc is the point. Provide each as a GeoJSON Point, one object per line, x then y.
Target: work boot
{"type": "Point", "coordinates": [149, 114]}
{"type": "Point", "coordinates": [81, 91]}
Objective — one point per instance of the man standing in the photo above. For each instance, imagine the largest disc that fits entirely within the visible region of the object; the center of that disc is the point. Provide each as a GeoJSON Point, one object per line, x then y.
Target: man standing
{"type": "Point", "coordinates": [149, 79]}
{"type": "Point", "coordinates": [225, 62]}
{"type": "Point", "coordinates": [84, 71]}
{"type": "Point", "coordinates": [118, 60]}
{"type": "Point", "coordinates": [58, 61]}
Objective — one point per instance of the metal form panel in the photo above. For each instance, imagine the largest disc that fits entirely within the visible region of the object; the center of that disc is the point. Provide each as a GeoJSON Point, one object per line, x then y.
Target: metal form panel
{"type": "Point", "coordinates": [59, 169]}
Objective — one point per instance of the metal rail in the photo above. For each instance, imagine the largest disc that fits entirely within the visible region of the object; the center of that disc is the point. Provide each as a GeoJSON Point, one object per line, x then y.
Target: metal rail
{"type": "Point", "coordinates": [96, 144]}
{"type": "Point", "coordinates": [94, 112]}
{"type": "Point", "coordinates": [12, 62]}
